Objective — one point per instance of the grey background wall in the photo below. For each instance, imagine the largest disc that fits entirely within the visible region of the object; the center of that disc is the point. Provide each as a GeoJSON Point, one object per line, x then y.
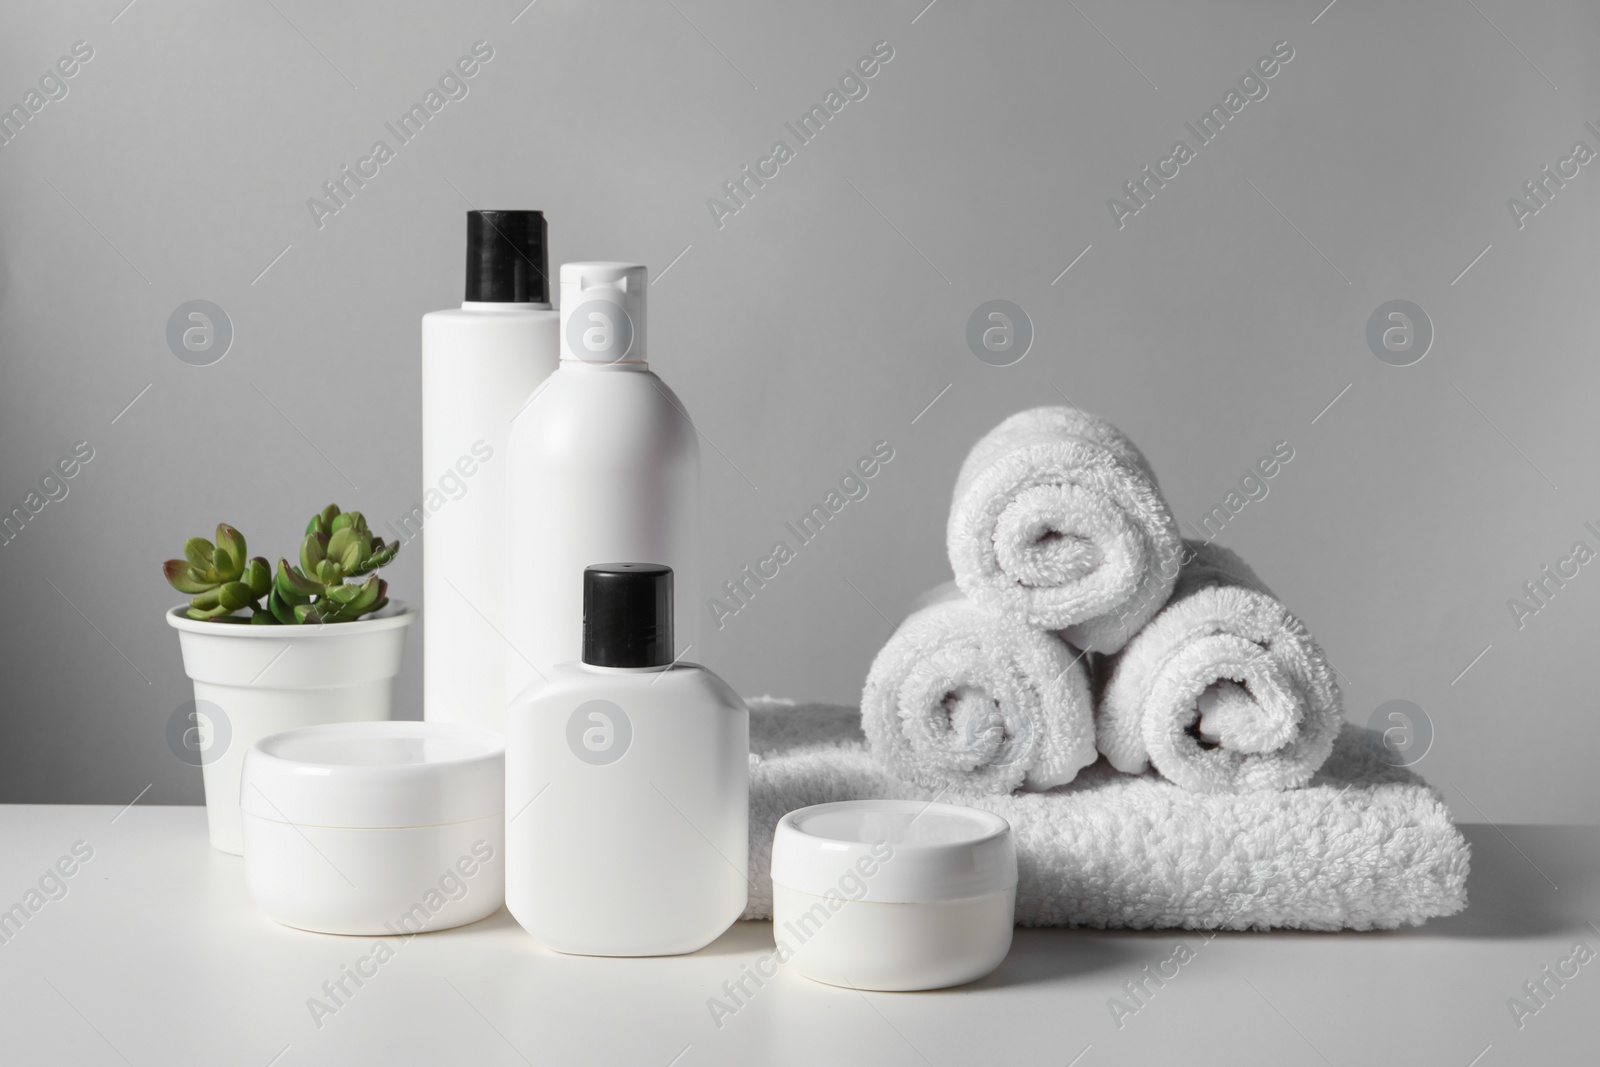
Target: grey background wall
{"type": "Point", "coordinates": [1227, 315]}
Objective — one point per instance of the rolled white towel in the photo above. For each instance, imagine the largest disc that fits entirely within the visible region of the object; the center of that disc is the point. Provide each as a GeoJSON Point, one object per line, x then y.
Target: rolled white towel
{"type": "Point", "coordinates": [1057, 521]}
{"type": "Point", "coordinates": [1224, 691]}
{"type": "Point", "coordinates": [965, 700]}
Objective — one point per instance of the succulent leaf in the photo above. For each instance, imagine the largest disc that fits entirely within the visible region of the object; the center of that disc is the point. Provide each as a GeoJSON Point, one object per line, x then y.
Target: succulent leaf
{"type": "Point", "coordinates": [344, 595]}
{"type": "Point", "coordinates": [182, 576]}
{"type": "Point", "coordinates": [371, 593]}
{"type": "Point", "coordinates": [258, 576]}
{"type": "Point", "coordinates": [340, 542]}
{"type": "Point", "coordinates": [198, 551]}
{"type": "Point", "coordinates": [296, 587]}
{"type": "Point", "coordinates": [235, 595]}
{"type": "Point", "coordinates": [231, 541]}
{"type": "Point", "coordinates": [372, 597]}
{"type": "Point", "coordinates": [380, 557]}
{"type": "Point", "coordinates": [280, 608]}
{"type": "Point", "coordinates": [313, 550]}
{"type": "Point", "coordinates": [352, 557]}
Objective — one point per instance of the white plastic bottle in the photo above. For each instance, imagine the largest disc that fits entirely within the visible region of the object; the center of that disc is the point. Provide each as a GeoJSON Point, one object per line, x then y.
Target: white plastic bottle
{"type": "Point", "coordinates": [480, 364]}
{"type": "Point", "coordinates": [605, 465]}
{"type": "Point", "coordinates": [627, 785]}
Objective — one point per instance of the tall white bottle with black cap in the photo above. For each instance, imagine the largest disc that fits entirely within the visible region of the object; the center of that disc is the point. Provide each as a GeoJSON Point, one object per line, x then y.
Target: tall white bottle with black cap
{"type": "Point", "coordinates": [480, 363]}
{"type": "Point", "coordinates": [604, 465]}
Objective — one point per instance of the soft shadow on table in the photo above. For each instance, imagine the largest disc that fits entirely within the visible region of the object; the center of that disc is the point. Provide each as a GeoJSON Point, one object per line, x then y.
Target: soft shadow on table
{"type": "Point", "coordinates": [1525, 882]}
{"type": "Point", "coordinates": [1036, 955]}
{"type": "Point", "coordinates": [741, 938]}
{"type": "Point", "coordinates": [1044, 956]}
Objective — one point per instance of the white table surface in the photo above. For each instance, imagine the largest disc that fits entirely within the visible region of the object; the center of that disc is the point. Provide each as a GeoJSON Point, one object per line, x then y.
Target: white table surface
{"type": "Point", "coordinates": [155, 956]}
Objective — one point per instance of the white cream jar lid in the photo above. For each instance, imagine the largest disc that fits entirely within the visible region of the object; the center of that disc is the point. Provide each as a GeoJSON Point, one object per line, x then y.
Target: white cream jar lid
{"type": "Point", "coordinates": [899, 851]}
{"type": "Point", "coordinates": [375, 775]}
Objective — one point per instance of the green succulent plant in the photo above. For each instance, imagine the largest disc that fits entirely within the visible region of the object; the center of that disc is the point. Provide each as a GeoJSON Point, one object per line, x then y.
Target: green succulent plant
{"type": "Point", "coordinates": [338, 545]}
{"type": "Point", "coordinates": [219, 576]}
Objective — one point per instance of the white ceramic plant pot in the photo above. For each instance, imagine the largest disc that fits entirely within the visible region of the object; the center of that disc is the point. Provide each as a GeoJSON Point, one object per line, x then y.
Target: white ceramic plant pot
{"type": "Point", "coordinates": [252, 681]}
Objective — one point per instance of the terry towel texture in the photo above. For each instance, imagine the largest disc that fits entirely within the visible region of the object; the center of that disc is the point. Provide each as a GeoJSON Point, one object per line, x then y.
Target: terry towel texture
{"type": "Point", "coordinates": [958, 698]}
{"type": "Point", "coordinates": [1057, 522]}
{"type": "Point", "coordinates": [1223, 691]}
{"type": "Point", "coordinates": [1364, 846]}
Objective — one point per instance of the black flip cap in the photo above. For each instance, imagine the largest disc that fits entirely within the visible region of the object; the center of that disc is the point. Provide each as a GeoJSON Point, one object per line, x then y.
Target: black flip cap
{"type": "Point", "coordinates": [627, 615]}
{"type": "Point", "coordinates": [507, 258]}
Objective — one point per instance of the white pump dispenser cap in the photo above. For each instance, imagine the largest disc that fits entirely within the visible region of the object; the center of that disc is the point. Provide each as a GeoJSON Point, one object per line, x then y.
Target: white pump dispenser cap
{"type": "Point", "coordinates": [602, 312]}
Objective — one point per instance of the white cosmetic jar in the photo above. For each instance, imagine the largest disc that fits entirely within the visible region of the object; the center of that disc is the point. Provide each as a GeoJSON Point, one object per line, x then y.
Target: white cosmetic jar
{"type": "Point", "coordinates": [893, 894]}
{"type": "Point", "coordinates": [375, 827]}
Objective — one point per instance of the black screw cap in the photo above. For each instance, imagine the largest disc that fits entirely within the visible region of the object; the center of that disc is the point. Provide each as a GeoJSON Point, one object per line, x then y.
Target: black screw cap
{"type": "Point", "coordinates": [627, 615]}
{"type": "Point", "coordinates": [508, 261]}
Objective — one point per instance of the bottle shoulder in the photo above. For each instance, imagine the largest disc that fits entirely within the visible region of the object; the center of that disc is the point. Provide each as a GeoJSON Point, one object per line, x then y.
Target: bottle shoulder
{"type": "Point", "coordinates": [482, 312]}
{"type": "Point", "coordinates": [569, 682]}
{"type": "Point", "coordinates": [611, 377]}
{"type": "Point", "coordinates": [597, 411]}
{"type": "Point", "coordinates": [496, 332]}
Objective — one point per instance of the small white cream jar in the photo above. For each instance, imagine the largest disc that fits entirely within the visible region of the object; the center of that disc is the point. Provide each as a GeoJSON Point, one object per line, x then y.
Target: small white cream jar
{"type": "Point", "coordinates": [375, 827]}
{"type": "Point", "coordinates": [893, 894]}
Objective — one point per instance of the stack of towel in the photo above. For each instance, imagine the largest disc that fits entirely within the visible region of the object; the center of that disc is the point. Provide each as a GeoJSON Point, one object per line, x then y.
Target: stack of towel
{"type": "Point", "coordinates": [1062, 546]}
{"type": "Point", "coordinates": [1079, 625]}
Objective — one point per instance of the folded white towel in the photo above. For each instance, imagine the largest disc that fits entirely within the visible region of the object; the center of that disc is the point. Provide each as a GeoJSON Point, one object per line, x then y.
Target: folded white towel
{"type": "Point", "coordinates": [1224, 691]}
{"type": "Point", "coordinates": [962, 699]}
{"type": "Point", "coordinates": [1057, 521]}
{"type": "Point", "coordinates": [1365, 846]}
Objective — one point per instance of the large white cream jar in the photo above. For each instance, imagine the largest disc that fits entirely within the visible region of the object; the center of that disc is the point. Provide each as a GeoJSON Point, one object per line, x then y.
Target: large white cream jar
{"type": "Point", "coordinates": [376, 827]}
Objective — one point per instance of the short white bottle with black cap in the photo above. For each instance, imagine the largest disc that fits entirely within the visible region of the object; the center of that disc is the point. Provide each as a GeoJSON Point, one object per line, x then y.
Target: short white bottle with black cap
{"type": "Point", "coordinates": [627, 785]}
{"type": "Point", "coordinates": [605, 464]}
{"type": "Point", "coordinates": [480, 364]}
